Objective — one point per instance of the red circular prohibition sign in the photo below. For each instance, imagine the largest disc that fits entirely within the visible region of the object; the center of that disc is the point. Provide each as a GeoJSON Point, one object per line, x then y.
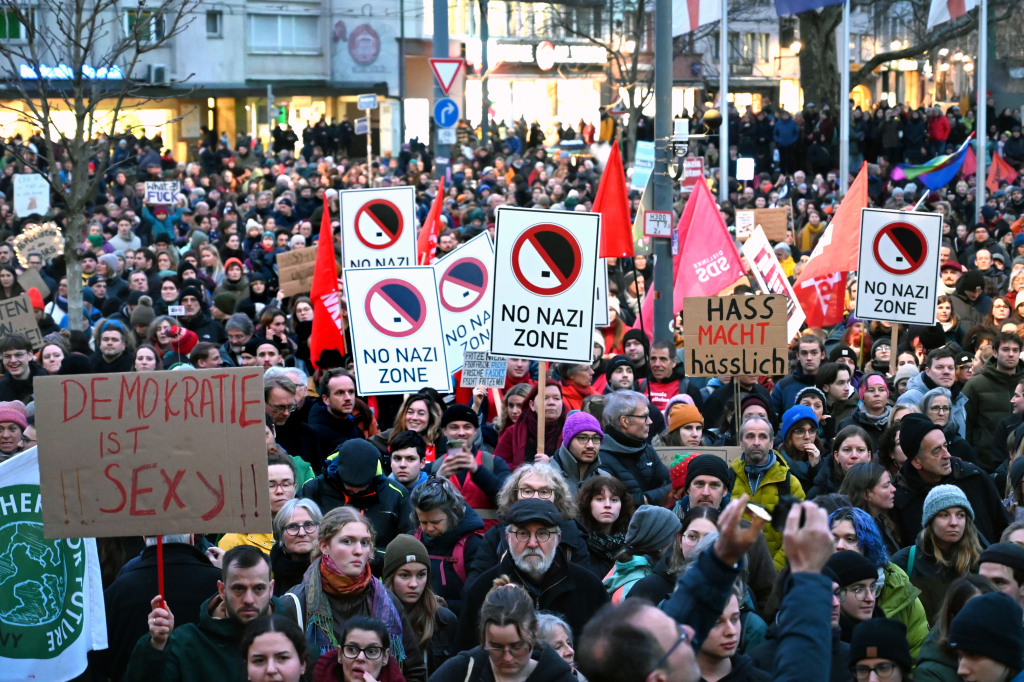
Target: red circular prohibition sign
{"type": "Point", "coordinates": [383, 222]}
{"type": "Point", "coordinates": [399, 300]}
{"type": "Point", "coordinates": [546, 259]}
{"type": "Point", "coordinates": [900, 248]}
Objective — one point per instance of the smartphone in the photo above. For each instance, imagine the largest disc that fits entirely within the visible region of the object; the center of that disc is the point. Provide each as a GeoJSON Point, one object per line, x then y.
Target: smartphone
{"type": "Point", "coordinates": [456, 445]}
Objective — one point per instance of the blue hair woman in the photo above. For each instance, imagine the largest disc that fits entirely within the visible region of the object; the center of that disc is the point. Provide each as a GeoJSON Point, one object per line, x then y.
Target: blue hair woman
{"type": "Point", "coordinates": [854, 529]}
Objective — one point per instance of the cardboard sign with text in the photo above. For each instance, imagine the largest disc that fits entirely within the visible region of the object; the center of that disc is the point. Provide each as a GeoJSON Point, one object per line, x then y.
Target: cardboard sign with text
{"type": "Point", "coordinates": [480, 368]}
{"type": "Point", "coordinates": [16, 317]}
{"type": "Point", "coordinates": [772, 278]}
{"type": "Point", "coordinates": [295, 271]}
{"type": "Point", "coordinates": [774, 222]}
{"type": "Point", "coordinates": [31, 194]}
{"type": "Point", "coordinates": [736, 336]}
{"type": "Point", "coordinates": [668, 454]}
{"type": "Point", "coordinates": [153, 453]}
{"type": "Point", "coordinates": [31, 278]}
{"type": "Point", "coordinates": [161, 192]}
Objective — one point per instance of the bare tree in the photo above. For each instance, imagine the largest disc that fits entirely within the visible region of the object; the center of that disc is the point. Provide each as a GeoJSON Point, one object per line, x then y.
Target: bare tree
{"type": "Point", "coordinates": [82, 57]}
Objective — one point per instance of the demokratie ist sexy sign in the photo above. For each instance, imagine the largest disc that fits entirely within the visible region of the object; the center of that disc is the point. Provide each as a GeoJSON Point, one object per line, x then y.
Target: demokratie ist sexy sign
{"type": "Point", "coordinates": [153, 453]}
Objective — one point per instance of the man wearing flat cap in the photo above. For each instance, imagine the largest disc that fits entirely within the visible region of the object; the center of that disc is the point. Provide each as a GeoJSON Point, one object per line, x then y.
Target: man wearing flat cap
{"type": "Point", "coordinates": [535, 562]}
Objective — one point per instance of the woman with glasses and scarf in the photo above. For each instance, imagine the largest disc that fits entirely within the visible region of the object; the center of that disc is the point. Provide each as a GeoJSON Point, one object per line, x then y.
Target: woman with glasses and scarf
{"type": "Point", "coordinates": [510, 651]}
{"type": "Point", "coordinates": [296, 531]}
{"type": "Point", "coordinates": [937, 405]}
{"type": "Point", "coordinates": [362, 656]}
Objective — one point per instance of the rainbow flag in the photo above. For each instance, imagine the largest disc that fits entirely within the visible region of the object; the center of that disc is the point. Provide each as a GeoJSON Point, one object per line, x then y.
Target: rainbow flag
{"type": "Point", "coordinates": [938, 172]}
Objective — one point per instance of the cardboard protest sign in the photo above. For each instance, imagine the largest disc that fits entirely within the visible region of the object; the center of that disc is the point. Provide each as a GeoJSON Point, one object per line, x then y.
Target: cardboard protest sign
{"type": "Point", "coordinates": [736, 336]}
{"type": "Point", "coordinates": [17, 317]}
{"type": "Point", "coordinates": [397, 341]}
{"type": "Point", "coordinates": [31, 278]}
{"type": "Point", "coordinates": [480, 369]}
{"type": "Point", "coordinates": [774, 222]}
{"type": "Point", "coordinates": [464, 283]}
{"type": "Point", "coordinates": [772, 278]}
{"type": "Point", "coordinates": [668, 454]}
{"type": "Point", "coordinates": [545, 264]}
{"type": "Point", "coordinates": [31, 194]}
{"type": "Point", "coordinates": [45, 238]}
{"type": "Point", "coordinates": [295, 271]}
{"type": "Point", "coordinates": [161, 191]}
{"type": "Point", "coordinates": [378, 227]}
{"type": "Point", "coordinates": [152, 453]}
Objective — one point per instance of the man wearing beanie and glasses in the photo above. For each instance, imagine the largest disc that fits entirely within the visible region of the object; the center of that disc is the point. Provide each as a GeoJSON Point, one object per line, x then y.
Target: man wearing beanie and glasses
{"type": "Point", "coordinates": [929, 464]}
{"type": "Point", "coordinates": [879, 651]}
{"type": "Point", "coordinates": [577, 459]}
{"type": "Point", "coordinates": [988, 638]}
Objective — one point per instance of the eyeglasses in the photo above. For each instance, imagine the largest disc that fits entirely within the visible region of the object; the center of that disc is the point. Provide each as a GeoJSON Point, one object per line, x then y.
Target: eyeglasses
{"type": "Point", "coordinates": [371, 652]}
{"type": "Point", "coordinates": [860, 592]}
{"type": "Point", "coordinates": [645, 415]}
{"type": "Point", "coordinates": [940, 408]}
{"type": "Point", "coordinates": [20, 355]}
{"type": "Point", "coordinates": [583, 440]}
{"type": "Point", "coordinates": [542, 535]}
{"type": "Point", "coordinates": [308, 527]}
{"type": "Point", "coordinates": [517, 650]}
{"type": "Point", "coordinates": [692, 537]}
{"type": "Point", "coordinates": [883, 669]}
{"type": "Point", "coordinates": [541, 493]}
{"type": "Point", "coordinates": [278, 409]}
{"type": "Point", "coordinates": [684, 637]}
{"type": "Point", "coordinates": [283, 485]}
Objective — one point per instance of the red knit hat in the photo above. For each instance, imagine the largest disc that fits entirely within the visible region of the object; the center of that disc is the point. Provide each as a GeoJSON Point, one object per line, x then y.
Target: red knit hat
{"type": "Point", "coordinates": [678, 469]}
{"type": "Point", "coordinates": [37, 298]}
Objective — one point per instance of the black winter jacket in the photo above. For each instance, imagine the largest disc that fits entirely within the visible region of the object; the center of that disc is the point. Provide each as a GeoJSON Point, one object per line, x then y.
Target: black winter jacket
{"type": "Point", "coordinates": [637, 465]}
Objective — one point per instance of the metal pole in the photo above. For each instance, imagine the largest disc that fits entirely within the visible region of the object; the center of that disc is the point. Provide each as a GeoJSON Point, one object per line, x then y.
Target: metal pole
{"type": "Point", "coordinates": [662, 183]}
{"type": "Point", "coordinates": [981, 121]}
{"type": "Point", "coordinates": [369, 150]}
{"type": "Point", "coordinates": [723, 95]}
{"type": "Point", "coordinates": [401, 73]}
{"type": "Point", "coordinates": [844, 103]}
{"type": "Point", "coordinates": [441, 151]}
{"type": "Point", "coordinates": [270, 119]}
{"type": "Point", "coordinates": [485, 35]}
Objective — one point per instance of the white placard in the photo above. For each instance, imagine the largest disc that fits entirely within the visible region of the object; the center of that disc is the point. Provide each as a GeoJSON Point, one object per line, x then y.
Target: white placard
{"type": "Point", "coordinates": [602, 318]}
{"type": "Point", "coordinates": [483, 369]}
{"type": "Point", "coordinates": [397, 341]}
{"type": "Point", "coordinates": [31, 195]}
{"type": "Point", "coordinates": [161, 192]}
{"type": "Point", "coordinates": [378, 227]}
{"type": "Point", "coordinates": [772, 278]}
{"type": "Point", "coordinates": [898, 267]}
{"type": "Point", "coordinates": [464, 280]}
{"type": "Point", "coordinates": [658, 224]}
{"type": "Point", "coordinates": [545, 266]}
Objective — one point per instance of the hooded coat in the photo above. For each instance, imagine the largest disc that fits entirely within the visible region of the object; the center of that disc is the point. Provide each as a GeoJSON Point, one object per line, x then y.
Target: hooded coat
{"type": "Point", "coordinates": [444, 579]}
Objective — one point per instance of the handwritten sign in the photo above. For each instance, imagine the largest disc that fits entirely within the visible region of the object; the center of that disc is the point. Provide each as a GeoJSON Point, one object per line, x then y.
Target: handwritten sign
{"type": "Point", "coordinates": [46, 239]}
{"type": "Point", "coordinates": [480, 369]}
{"type": "Point", "coordinates": [295, 271]}
{"type": "Point", "coordinates": [736, 336]}
{"type": "Point", "coordinates": [693, 172]}
{"type": "Point", "coordinates": [774, 222]}
{"type": "Point", "coordinates": [668, 454]}
{"type": "Point", "coordinates": [772, 278]}
{"type": "Point", "coordinates": [31, 195]}
{"type": "Point", "coordinates": [153, 453]}
{"type": "Point", "coordinates": [31, 278]}
{"type": "Point", "coordinates": [161, 191]}
{"type": "Point", "coordinates": [16, 317]}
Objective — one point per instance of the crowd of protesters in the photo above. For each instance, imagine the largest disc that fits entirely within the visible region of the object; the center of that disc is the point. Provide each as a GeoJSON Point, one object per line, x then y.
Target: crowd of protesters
{"type": "Point", "coordinates": [425, 536]}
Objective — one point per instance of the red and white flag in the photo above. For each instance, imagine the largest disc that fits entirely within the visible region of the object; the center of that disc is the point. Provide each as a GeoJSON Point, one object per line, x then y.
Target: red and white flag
{"type": "Point", "coordinates": [688, 15]}
{"type": "Point", "coordinates": [426, 244]}
{"type": "Point", "coordinates": [327, 332]}
{"type": "Point", "coordinates": [947, 10]}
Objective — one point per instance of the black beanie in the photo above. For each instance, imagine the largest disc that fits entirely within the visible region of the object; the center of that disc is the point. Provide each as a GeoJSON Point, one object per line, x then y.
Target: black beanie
{"type": "Point", "coordinates": [707, 465]}
{"type": "Point", "coordinates": [971, 280]}
{"type": "Point", "coordinates": [1004, 553]}
{"type": "Point", "coordinates": [913, 430]}
{"type": "Point", "coordinates": [989, 625]}
{"type": "Point", "coordinates": [459, 413]}
{"type": "Point", "coordinates": [842, 351]}
{"type": "Point", "coordinates": [191, 291]}
{"type": "Point", "coordinates": [637, 335]}
{"type": "Point", "coordinates": [850, 566]}
{"type": "Point", "coordinates": [614, 364]}
{"type": "Point", "coordinates": [881, 638]}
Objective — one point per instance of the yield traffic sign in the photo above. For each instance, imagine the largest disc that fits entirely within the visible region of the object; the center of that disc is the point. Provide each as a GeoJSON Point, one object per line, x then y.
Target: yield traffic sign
{"type": "Point", "coordinates": [546, 259]}
{"type": "Point", "coordinates": [395, 308]}
{"type": "Point", "coordinates": [379, 224]}
{"type": "Point", "coordinates": [445, 71]}
{"type": "Point", "coordinates": [463, 284]}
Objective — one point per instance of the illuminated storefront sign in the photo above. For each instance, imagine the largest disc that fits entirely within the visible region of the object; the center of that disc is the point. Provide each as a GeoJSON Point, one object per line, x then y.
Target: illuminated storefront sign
{"type": "Point", "coordinates": [546, 54]}
{"type": "Point", "coordinates": [65, 72]}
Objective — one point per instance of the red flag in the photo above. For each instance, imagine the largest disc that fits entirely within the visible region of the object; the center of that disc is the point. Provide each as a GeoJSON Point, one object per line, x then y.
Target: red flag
{"type": "Point", "coordinates": [999, 170]}
{"type": "Point", "coordinates": [821, 286]}
{"type": "Point", "coordinates": [327, 332]}
{"type": "Point", "coordinates": [612, 202]}
{"type": "Point", "coordinates": [970, 166]}
{"type": "Point", "coordinates": [426, 244]}
{"type": "Point", "coordinates": [708, 261]}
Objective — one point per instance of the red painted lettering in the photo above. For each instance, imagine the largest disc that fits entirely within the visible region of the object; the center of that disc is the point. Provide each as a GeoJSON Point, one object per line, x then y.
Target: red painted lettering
{"type": "Point", "coordinates": [218, 494]}
{"type": "Point", "coordinates": [135, 432]}
{"type": "Point", "coordinates": [172, 488]}
{"type": "Point", "coordinates": [191, 389]}
{"type": "Point", "coordinates": [169, 389]}
{"type": "Point", "coordinates": [67, 397]}
{"type": "Point", "coordinates": [110, 450]}
{"type": "Point", "coordinates": [258, 416]}
{"type": "Point", "coordinates": [146, 391]}
{"type": "Point", "coordinates": [137, 491]}
{"type": "Point", "coordinates": [96, 400]}
{"type": "Point", "coordinates": [129, 391]}
{"type": "Point", "coordinates": [120, 489]}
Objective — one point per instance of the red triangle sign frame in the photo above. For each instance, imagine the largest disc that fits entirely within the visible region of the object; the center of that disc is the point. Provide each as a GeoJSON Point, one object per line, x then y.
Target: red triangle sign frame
{"type": "Point", "coordinates": [445, 71]}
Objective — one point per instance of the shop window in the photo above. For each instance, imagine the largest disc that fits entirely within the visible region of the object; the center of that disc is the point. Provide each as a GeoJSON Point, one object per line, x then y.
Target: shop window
{"type": "Point", "coordinates": [214, 24]}
{"type": "Point", "coordinates": [146, 27]}
{"type": "Point", "coordinates": [11, 29]}
{"type": "Point", "coordinates": [284, 33]}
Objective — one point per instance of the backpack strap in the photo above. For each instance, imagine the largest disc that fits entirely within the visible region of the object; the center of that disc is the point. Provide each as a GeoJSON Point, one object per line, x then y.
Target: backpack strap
{"type": "Point", "coordinates": [910, 560]}
{"type": "Point", "coordinates": [298, 609]}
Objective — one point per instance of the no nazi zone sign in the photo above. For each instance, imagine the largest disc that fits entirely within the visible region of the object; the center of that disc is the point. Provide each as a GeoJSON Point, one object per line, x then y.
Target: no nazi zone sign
{"type": "Point", "coordinates": [898, 267]}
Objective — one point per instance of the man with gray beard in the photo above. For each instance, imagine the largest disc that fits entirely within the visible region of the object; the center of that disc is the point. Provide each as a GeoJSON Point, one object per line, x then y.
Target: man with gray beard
{"type": "Point", "coordinates": [536, 562]}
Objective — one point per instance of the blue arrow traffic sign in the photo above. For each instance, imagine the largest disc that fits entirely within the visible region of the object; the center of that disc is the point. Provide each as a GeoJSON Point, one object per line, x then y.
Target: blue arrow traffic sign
{"type": "Point", "coordinates": [446, 112]}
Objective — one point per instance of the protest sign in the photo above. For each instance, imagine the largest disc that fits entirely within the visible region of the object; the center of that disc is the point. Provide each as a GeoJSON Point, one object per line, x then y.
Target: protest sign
{"type": "Point", "coordinates": [774, 222]}
{"type": "Point", "coordinates": [667, 455]}
{"type": "Point", "coordinates": [898, 266]}
{"type": "Point", "coordinates": [464, 282]}
{"type": "Point", "coordinates": [397, 341]}
{"type": "Point", "coordinates": [152, 453]}
{"type": "Point", "coordinates": [295, 271]}
{"type": "Point", "coordinates": [31, 194]}
{"type": "Point", "coordinates": [480, 369]}
{"type": "Point", "coordinates": [17, 317]}
{"type": "Point", "coordinates": [643, 165]}
{"type": "Point", "coordinates": [51, 591]}
{"type": "Point", "coordinates": [45, 238]}
{"type": "Point", "coordinates": [31, 278]}
{"type": "Point", "coordinates": [378, 227]}
{"type": "Point", "coordinates": [693, 172]}
{"type": "Point", "coordinates": [162, 192]}
{"type": "Point", "coordinates": [736, 336]}
{"type": "Point", "coordinates": [772, 278]}
{"type": "Point", "coordinates": [544, 278]}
